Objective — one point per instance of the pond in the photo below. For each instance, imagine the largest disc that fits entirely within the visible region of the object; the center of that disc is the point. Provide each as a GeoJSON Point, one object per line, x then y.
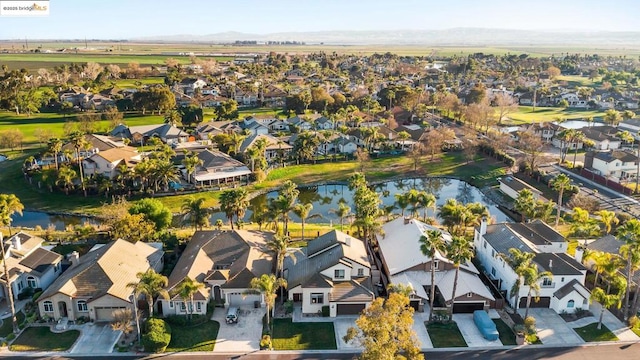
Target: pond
{"type": "Point", "coordinates": [326, 198]}
{"type": "Point", "coordinates": [578, 124]}
{"type": "Point", "coordinates": [31, 219]}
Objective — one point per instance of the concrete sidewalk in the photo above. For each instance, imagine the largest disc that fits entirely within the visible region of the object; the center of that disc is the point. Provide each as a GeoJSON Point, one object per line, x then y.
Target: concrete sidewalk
{"type": "Point", "coordinates": [613, 323]}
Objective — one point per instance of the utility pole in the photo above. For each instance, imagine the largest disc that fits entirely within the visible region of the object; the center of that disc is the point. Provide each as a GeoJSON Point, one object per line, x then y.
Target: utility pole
{"type": "Point", "coordinates": [12, 308]}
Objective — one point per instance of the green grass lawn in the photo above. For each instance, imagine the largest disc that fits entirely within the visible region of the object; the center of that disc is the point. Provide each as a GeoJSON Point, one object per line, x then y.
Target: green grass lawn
{"type": "Point", "coordinates": [42, 339]}
{"type": "Point", "coordinates": [288, 335]}
{"type": "Point", "coordinates": [195, 338]}
{"type": "Point", "coordinates": [445, 335]}
{"type": "Point", "coordinates": [577, 80]}
{"type": "Point", "coordinates": [7, 326]}
{"type": "Point", "coordinates": [507, 336]}
{"type": "Point", "coordinates": [525, 114]}
{"type": "Point", "coordinates": [591, 333]}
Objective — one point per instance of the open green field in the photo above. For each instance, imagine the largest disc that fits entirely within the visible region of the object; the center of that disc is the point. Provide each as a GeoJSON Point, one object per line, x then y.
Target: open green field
{"type": "Point", "coordinates": [131, 83]}
{"type": "Point", "coordinates": [55, 123]}
{"type": "Point", "coordinates": [525, 115]}
{"type": "Point", "coordinates": [577, 80]}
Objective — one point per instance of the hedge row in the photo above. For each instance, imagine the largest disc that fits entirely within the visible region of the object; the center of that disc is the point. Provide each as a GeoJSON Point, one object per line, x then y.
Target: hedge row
{"type": "Point", "coordinates": [498, 154]}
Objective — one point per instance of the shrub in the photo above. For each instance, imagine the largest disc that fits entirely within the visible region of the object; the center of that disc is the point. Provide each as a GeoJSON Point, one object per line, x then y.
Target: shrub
{"type": "Point", "coordinates": [36, 296]}
{"type": "Point", "coordinates": [157, 336]}
{"type": "Point", "coordinates": [288, 307]}
{"type": "Point", "coordinates": [530, 324]}
{"type": "Point", "coordinates": [634, 322]}
{"type": "Point", "coordinates": [258, 176]}
{"type": "Point", "coordinates": [325, 311]}
{"type": "Point", "coordinates": [265, 342]}
{"type": "Point", "coordinates": [26, 293]}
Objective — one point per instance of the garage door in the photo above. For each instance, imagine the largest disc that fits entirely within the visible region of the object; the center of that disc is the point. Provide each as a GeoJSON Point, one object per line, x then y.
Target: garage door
{"type": "Point", "coordinates": [415, 304]}
{"type": "Point", "coordinates": [240, 299]}
{"type": "Point", "coordinates": [106, 313]}
{"type": "Point", "coordinates": [350, 309]}
{"type": "Point", "coordinates": [467, 308]}
{"type": "Point", "coordinates": [544, 302]}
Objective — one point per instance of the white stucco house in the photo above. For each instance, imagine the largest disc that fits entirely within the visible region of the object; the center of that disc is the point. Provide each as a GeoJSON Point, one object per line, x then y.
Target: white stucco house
{"type": "Point", "coordinates": [225, 262]}
{"type": "Point", "coordinates": [616, 164]}
{"type": "Point", "coordinates": [30, 265]}
{"type": "Point", "coordinates": [564, 291]}
{"type": "Point", "coordinates": [512, 186]}
{"type": "Point", "coordinates": [334, 271]}
{"type": "Point", "coordinates": [106, 162]}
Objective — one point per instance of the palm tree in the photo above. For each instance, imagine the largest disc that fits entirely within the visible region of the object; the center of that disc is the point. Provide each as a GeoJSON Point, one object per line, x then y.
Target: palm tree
{"type": "Point", "coordinates": [186, 289]}
{"type": "Point", "coordinates": [600, 261]}
{"type": "Point", "coordinates": [431, 243]}
{"type": "Point", "coordinates": [79, 143]}
{"type": "Point", "coordinates": [219, 224]}
{"type": "Point", "coordinates": [606, 300]}
{"type": "Point", "coordinates": [402, 201]}
{"type": "Point", "coordinates": [532, 278]}
{"type": "Point", "coordinates": [9, 205]}
{"type": "Point", "coordinates": [525, 204]}
{"type": "Point", "coordinates": [425, 201]}
{"type": "Point", "coordinates": [55, 146]}
{"type": "Point", "coordinates": [580, 138]}
{"type": "Point", "coordinates": [233, 202]}
{"type": "Point", "coordinates": [191, 162]}
{"type": "Point", "coordinates": [459, 251]}
{"type": "Point", "coordinates": [560, 183]}
{"type": "Point", "coordinates": [608, 219]}
{"type": "Point", "coordinates": [612, 117]}
{"type": "Point", "coordinates": [629, 233]}
{"type": "Point", "coordinates": [164, 172]}
{"type": "Point", "coordinates": [302, 211]}
{"type": "Point", "coordinates": [65, 178]}
{"type": "Point", "coordinates": [151, 285]}
{"type": "Point", "coordinates": [454, 215]}
{"type": "Point", "coordinates": [519, 262]}
{"type": "Point", "coordinates": [342, 212]}
{"type": "Point", "coordinates": [268, 285]}
{"type": "Point", "coordinates": [194, 210]}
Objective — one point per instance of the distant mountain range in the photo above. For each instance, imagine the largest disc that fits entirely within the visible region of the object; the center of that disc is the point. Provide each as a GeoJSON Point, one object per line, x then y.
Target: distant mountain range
{"type": "Point", "coordinates": [448, 37]}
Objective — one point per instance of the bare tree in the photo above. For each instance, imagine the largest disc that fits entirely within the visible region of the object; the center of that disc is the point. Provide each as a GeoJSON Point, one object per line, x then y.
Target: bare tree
{"type": "Point", "coordinates": [531, 145]}
{"type": "Point", "coordinates": [506, 104]}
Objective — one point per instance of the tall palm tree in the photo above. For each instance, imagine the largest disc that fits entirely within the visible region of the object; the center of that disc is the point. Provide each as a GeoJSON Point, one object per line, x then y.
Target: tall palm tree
{"type": "Point", "coordinates": [9, 205]}
{"type": "Point", "coordinates": [629, 233]}
{"type": "Point", "coordinates": [431, 243]}
{"type": "Point", "coordinates": [234, 202]}
{"type": "Point", "coordinates": [525, 204]}
{"type": "Point", "coordinates": [402, 201]}
{"type": "Point", "coordinates": [194, 210]}
{"type": "Point", "coordinates": [164, 172]}
{"type": "Point", "coordinates": [79, 143]}
{"type": "Point", "coordinates": [342, 212]}
{"type": "Point", "coordinates": [606, 300]}
{"type": "Point", "coordinates": [600, 261]}
{"type": "Point", "coordinates": [608, 219]}
{"type": "Point", "coordinates": [580, 138]}
{"type": "Point", "coordinates": [268, 285]}
{"type": "Point", "coordinates": [186, 290]}
{"type": "Point", "coordinates": [55, 146]}
{"type": "Point", "coordinates": [519, 262]}
{"type": "Point", "coordinates": [532, 278]}
{"type": "Point", "coordinates": [560, 183]}
{"type": "Point", "coordinates": [459, 251]}
{"type": "Point", "coordinates": [426, 200]}
{"type": "Point", "coordinates": [151, 285]}
{"type": "Point", "coordinates": [302, 211]}
{"type": "Point", "coordinates": [65, 178]}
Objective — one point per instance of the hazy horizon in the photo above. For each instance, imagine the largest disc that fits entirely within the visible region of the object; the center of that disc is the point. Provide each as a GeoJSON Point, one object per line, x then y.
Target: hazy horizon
{"type": "Point", "coordinates": [123, 20]}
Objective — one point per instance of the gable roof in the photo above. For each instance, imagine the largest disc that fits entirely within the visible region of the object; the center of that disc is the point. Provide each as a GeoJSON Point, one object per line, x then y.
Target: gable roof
{"type": "Point", "coordinates": [559, 264]}
{"type": "Point", "coordinates": [273, 143]}
{"type": "Point", "coordinates": [569, 287]}
{"type": "Point", "coordinates": [607, 244]}
{"type": "Point", "coordinates": [233, 256]}
{"type": "Point", "coordinates": [113, 155]}
{"type": "Point", "coordinates": [321, 254]}
{"type": "Point", "coordinates": [217, 159]}
{"type": "Point", "coordinates": [613, 155]}
{"type": "Point", "coordinates": [504, 236]}
{"type": "Point", "coordinates": [106, 270]}
{"type": "Point", "coordinates": [31, 258]}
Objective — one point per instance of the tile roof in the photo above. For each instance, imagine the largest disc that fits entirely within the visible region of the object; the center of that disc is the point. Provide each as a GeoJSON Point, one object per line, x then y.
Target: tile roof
{"type": "Point", "coordinates": [113, 155]}
{"type": "Point", "coordinates": [613, 155]}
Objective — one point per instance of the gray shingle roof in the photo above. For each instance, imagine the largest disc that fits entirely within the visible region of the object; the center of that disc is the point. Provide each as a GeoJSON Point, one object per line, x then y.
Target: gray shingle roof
{"type": "Point", "coordinates": [566, 290]}
{"type": "Point", "coordinates": [559, 264]}
{"type": "Point", "coordinates": [608, 244]}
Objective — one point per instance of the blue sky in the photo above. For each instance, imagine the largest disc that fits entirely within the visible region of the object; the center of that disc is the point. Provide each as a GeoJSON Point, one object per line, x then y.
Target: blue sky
{"type": "Point", "coordinates": [123, 19]}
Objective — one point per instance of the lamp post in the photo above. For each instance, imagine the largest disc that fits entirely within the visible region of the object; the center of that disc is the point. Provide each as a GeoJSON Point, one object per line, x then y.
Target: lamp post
{"type": "Point", "coordinates": [135, 312]}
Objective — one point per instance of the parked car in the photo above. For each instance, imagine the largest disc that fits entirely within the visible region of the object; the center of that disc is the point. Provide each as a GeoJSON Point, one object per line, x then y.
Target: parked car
{"type": "Point", "coordinates": [232, 315]}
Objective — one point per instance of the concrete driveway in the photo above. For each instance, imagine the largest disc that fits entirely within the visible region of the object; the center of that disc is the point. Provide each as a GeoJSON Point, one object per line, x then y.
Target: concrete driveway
{"type": "Point", "coordinates": [552, 329]}
{"type": "Point", "coordinates": [341, 324]}
{"type": "Point", "coordinates": [95, 339]}
{"type": "Point", "coordinates": [243, 336]}
{"type": "Point", "coordinates": [470, 332]}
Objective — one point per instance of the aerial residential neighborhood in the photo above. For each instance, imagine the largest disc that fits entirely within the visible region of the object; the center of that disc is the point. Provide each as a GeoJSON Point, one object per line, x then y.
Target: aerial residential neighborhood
{"type": "Point", "coordinates": [340, 188]}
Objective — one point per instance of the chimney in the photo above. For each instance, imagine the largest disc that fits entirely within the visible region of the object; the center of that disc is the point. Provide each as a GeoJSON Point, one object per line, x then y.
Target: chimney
{"type": "Point", "coordinates": [579, 254]}
{"type": "Point", "coordinates": [550, 264]}
{"type": "Point", "coordinates": [483, 226]}
{"type": "Point", "coordinates": [16, 243]}
{"type": "Point", "coordinates": [73, 258]}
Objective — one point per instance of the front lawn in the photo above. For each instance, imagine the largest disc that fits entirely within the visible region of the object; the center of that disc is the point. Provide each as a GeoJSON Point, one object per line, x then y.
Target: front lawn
{"type": "Point", "coordinates": [194, 338]}
{"type": "Point", "coordinates": [42, 339]}
{"type": "Point", "coordinates": [445, 335]}
{"type": "Point", "coordinates": [7, 326]}
{"type": "Point", "coordinates": [590, 333]}
{"type": "Point", "coordinates": [507, 337]}
{"type": "Point", "coordinates": [288, 335]}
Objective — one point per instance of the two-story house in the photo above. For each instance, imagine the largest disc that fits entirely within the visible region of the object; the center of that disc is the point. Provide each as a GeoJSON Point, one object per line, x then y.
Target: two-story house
{"type": "Point", "coordinates": [216, 168]}
{"type": "Point", "coordinates": [106, 162]}
{"type": "Point", "coordinates": [30, 266]}
{"type": "Point", "coordinates": [617, 165]}
{"type": "Point", "coordinates": [334, 271]}
{"type": "Point", "coordinates": [511, 186]}
{"type": "Point", "coordinates": [274, 150]}
{"type": "Point", "coordinates": [404, 263]}
{"type": "Point", "coordinates": [564, 291]}
{"type": "Point", "coordinates": [225, 262]}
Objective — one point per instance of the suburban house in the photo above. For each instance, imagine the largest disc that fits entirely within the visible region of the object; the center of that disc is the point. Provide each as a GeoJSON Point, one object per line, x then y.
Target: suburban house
{"type": "Point", "coordinates": [299, 123]}
{"type": "Point", "coordinates": [547, 131]}
{"type": "Point", "coordinates": [225, 262]}
{"type": "Point", "coordinates": [564, 291]}
{"type": "Point", "coordinates": [603, 137]}
{"type": "Point", "coordinates": [333, 271]}
{"type": "Point", "coordinates": [217, 168]}
{"type": "Point", "coordinates": [278, 125]}
{"type": "Point", "coordinates": [607, 244]}
{"type": "Point", "coordinates": [96, 284]}
{"type": "Point", "coordinates": [617, 165]}
{"type": "Point", "coordinates": [632, 126]}
{"type": "Point", "coordinates": [512, 186]}
{"type": "Point", "coordinates": [106, 162]}
{"type": "Point", "coordinates": [275, 148]}
{"type": "Point", "coordinates": [95, 143]}
{"type": "Point", "coordinates": [30, 266]}
{"type": "Point", "coordinates": [322, 123]}
{"type": "Point", "coordinates": [404, 263]}
{"type": "Point", "coordinates": [169, 134]}
{"type": "Point", "coordinates": [273, 97]}
{"type": "Point", "coordinates": [253, 127]}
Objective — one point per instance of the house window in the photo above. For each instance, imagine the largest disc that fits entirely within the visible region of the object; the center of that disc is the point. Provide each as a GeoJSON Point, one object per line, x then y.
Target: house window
{"type": "Point", "coordinates": [317, 298]}
{"type": "Point", "coordinates": [360, 272]}
{"type": "Point", "coordinates": [82, 305]}
{"type": "Point", "coordinates": [493, 253]}
{"type": "Point", "coordinates": [198, 306]}
{"type": "Point", "coordinates": [171, 304]}
{"type": "Point", "coordinates": [493, 271]}
{"type": "Point", "coordinates": [31, 282]}
{"type": "Point", "coordinates": [338, 274]}
{"type": "Point", "coordinates": [48, 306]}
{"type": "Point", "coordinates": [469, 294]}
{"type": "Point", "coordinates": [19, 285]}
{"type": "Point", "coordinates": [571, 304]}
{"type": "Point", "coordinates": [562, 279]}
{"type": "Point", "coordinates": [436, 264]}
{"type": "Point", "coordinates": [183, 307]}
{"type": "Point", "coordinates": [484, 243]}
{"type": "Point", "coordinates": [546, 282]}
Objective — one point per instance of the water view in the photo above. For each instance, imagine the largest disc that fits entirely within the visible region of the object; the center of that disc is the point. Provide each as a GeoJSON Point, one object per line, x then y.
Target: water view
{"type": "Point", "coordinates": [31, 219]}
{"type": "Point", "coordinates": [578, 124]}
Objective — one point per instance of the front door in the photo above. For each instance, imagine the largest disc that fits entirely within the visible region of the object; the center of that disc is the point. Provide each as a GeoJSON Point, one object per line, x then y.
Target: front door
{"type": "Point", "coordinates": [297, 297]}
{"type": "Point", "coordinates": [217, 297]}
{"type": "Point", "coordinates": [62, 308]}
